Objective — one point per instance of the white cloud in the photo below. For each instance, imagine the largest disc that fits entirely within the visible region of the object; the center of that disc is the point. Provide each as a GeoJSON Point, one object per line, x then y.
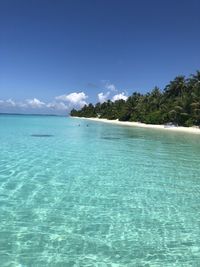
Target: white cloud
{"type": "Point", "coordinates": [110, 87]}
{"type": "Point", "coordinates": [74, 99]}
{"type": "Point", "coordinates": [119, 96]}
{"type": "Point", "coordinates": [23, 104]}
{"type": "Point", "coordinates": [58, 106]}
{"type": "Point", "coordinates": [35, 103]}
{"type": "Point", "coordinates": [10, 102]}
{"type": "Point", "coordinates": [61, 104]}
{"type": "Point", "coordinates": [31, 103]}
{"type": "Point", "coordinates": [103, 97]}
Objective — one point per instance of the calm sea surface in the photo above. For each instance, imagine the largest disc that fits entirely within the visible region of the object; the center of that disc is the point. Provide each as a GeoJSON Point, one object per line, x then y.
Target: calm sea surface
{"type": "Point", "coordinates": [102, 195]}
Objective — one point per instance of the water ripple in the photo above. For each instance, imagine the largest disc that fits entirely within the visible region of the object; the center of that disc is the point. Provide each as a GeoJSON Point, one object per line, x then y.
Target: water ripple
{"type": "Point", "coordinates": [97, 196]}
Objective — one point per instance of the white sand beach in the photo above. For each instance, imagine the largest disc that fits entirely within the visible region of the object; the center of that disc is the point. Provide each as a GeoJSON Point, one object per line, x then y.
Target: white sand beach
{"type": "Point", "coordinates": [194, 130]}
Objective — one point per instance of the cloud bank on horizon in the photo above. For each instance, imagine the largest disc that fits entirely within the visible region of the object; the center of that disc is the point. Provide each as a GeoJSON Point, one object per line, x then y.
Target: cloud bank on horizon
{"type": "Point", "coordinates": [61, 104]}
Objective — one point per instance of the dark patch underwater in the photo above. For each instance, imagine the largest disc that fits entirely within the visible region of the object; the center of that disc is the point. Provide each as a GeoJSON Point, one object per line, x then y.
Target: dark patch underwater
{"type": "Point", "coordinates": [41, 135]}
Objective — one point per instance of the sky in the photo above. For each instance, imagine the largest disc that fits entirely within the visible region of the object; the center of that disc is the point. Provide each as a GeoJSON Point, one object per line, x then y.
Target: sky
{"type": "Point", "coordinates": [57, 55]}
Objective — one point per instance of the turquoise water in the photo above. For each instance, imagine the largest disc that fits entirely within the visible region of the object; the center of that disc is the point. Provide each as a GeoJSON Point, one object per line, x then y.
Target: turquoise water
{"type": "Point", "coordinates": [101, 195]}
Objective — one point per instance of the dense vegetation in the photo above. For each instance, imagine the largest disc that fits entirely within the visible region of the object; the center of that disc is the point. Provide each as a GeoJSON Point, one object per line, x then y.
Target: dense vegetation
{"type": "Point", "coordinates": [178, 103]}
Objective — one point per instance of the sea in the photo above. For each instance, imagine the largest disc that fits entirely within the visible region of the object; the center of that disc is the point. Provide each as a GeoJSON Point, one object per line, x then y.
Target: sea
{"type": "Point", "coordinates": [81, 193]}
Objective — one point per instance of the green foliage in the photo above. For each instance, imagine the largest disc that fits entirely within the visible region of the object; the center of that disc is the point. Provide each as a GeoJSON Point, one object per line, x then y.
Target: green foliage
{"type": "Point", "coordinates": [179, 103]}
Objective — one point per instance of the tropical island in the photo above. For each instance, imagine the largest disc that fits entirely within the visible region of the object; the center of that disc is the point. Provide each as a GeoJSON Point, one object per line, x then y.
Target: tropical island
{"type": "Point", "coordinates": [178, 103]}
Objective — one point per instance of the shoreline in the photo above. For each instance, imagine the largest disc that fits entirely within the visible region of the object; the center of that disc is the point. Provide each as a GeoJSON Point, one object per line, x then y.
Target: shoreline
{"type": "Point", "coordinates": [193, 130]}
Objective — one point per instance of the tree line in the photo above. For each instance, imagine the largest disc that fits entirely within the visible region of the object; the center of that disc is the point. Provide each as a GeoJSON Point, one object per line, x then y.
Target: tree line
{"type": "Point", "coordinates": [178, 103]}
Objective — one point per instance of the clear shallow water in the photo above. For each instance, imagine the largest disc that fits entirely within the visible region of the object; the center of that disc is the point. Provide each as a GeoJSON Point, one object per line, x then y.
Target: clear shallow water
{"type": "Point", "coordinates": [101, 195]}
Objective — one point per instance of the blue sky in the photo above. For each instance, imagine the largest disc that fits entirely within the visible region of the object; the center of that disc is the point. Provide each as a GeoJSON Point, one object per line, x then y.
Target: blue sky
{"type": "Point", "coordinates": [55, 55]}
